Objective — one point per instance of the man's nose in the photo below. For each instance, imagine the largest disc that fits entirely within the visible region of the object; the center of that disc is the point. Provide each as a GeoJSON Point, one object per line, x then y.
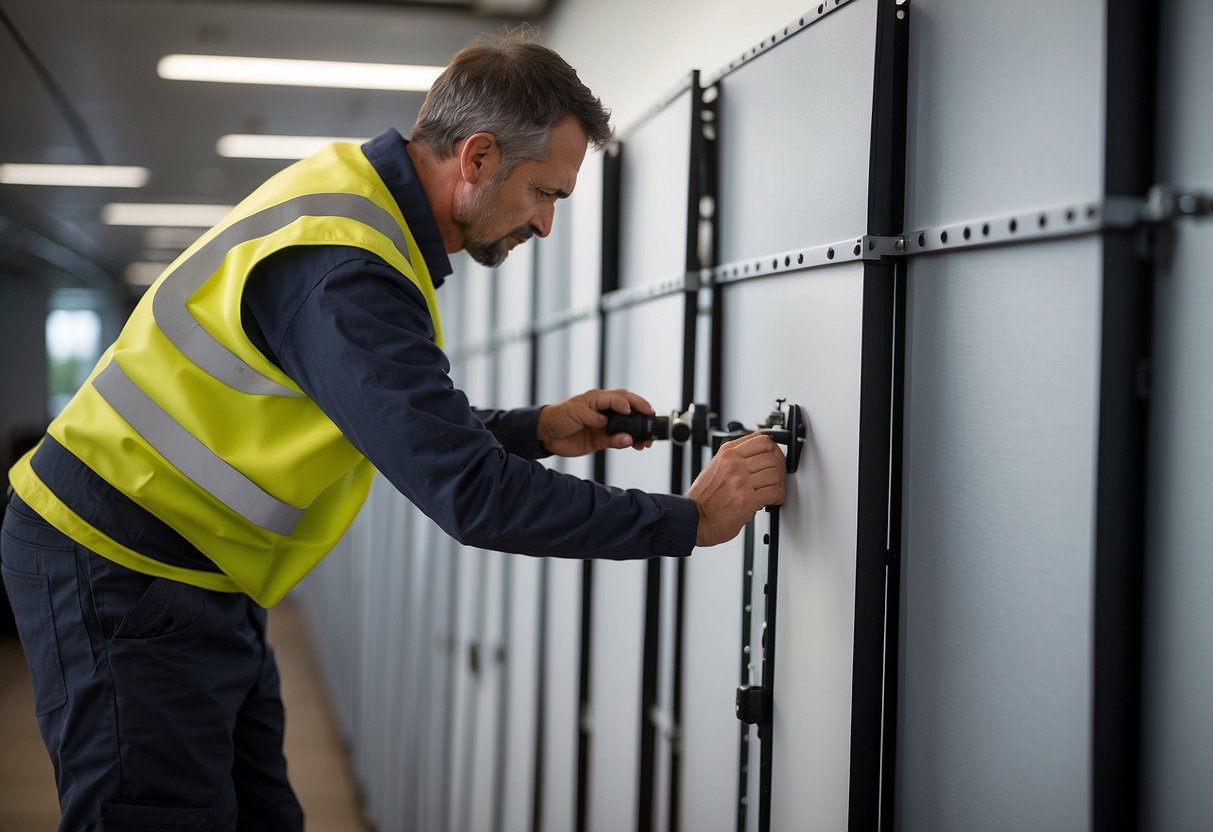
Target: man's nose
{"type": "Point", "coordinates": [543, 220]}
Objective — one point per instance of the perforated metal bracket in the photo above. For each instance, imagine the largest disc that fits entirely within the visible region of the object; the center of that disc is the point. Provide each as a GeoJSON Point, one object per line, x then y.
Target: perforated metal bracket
{"type": "Point", "coordinates": [1162, 205]}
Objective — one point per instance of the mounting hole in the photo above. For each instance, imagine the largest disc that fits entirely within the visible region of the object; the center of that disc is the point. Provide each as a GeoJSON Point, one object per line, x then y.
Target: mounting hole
{"type": "Point", "coordinates": [943, 236]}
{"type": "Point", "coordinates": [821, 8]}
{"type": "Point", "coordinates": [985, 229]}
{"type": "Point", "coordinates": [967, 233]}
{"type": "Point", "coordinates": [802, 21]}
{"type": "Point", "coordinates": [901, 15]}
{"type": "Point", "coordinates": [857, 249]}
{"type": "Point", "coordinates": [785, 31]}
{"type": "Point", "coordinates": [710, 93]}
{"type": "Point", "coordinates": [830, 253]}
{"type": "Point", "coordinates": [1070, 215]}
{"type": "Point", "coordinates": [1091, 212]}
{"type": "Point", "coordinates": [1013, 225]}
{"type": "Point", "coordinates": [922, 240]}
{"type": "Point", "coordinates": [1042, 221]}
{"type": "Point", "coordinates": [799, 259]}
{"type": "Point", "coordinates": [871, 245]}
{"type": "Point", "coordinates": [746, 269]}
{"type": "Point", "coordinates": [775, 263]}
{"type": "Point", "coordinates": [787, 261]}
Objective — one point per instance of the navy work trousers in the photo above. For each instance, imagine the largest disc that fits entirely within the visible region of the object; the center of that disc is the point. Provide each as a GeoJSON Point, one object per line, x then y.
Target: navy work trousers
{"type": "Point", "coordinates": [158, 701]}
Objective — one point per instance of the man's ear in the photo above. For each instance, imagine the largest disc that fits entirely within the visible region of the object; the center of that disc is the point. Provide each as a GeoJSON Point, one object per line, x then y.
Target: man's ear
{"type": "Point", "coordinates": [479, 158]}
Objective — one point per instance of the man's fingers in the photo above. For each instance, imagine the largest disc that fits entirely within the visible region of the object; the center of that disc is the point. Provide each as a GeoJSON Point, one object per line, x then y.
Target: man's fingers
{"type": "Point", "coordinates": [618, 399]}
{"type": "Point", "coordinates": [771, 495]}
{"type": "Point", "coordinates": [754, 444]}
{"type": "Point", "coordinates": [767, 477]}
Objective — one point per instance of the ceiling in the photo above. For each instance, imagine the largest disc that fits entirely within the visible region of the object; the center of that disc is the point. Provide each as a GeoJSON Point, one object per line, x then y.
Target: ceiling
{"type": "Point", "coordinates": [78, 84]}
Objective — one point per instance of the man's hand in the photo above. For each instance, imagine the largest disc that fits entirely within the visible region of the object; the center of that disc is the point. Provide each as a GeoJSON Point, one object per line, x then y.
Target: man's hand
{"type": "Point", "coordinates": [577, 426]}
{"type": "Point", "coordinates": [745, 475]}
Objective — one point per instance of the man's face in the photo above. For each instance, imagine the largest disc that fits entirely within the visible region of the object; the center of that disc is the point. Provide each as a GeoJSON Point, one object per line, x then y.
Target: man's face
{"type": "Point", "coordinates": [503, 212]}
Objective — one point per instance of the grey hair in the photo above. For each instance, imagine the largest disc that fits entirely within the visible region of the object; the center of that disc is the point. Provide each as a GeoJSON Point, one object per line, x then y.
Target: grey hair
{"type": "Point", "coordinates": [516, 89]}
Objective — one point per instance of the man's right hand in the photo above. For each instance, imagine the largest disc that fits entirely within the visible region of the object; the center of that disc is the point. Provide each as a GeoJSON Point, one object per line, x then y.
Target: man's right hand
{"type": "Point", "coordinates": [745, 475]}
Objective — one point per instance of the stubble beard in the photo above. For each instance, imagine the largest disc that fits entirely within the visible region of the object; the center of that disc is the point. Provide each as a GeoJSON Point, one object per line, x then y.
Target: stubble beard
{"type": "Point", "coordinates": [478, 210]}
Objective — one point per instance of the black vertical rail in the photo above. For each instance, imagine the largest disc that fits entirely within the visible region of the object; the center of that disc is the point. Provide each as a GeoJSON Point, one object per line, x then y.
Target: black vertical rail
{"type": "Point", "coordinates": [879, 466]}
{"type": "Point", "coordinates": [770, 594]}
{"type": "Point", "coordinates": [1120, 520]}
{"type": "Point", "coordinates": [609, 282]}
{"type": "Point", "coordinates": [541, 700]}
{"type": "Point", "coordinates": [648, 692]}
{"type": "Point", "coordinates": [747, 637]}
{"type": "Point", "coordinates": [698, 180]}
{"type": "Point", "coordinates": [892, 638]}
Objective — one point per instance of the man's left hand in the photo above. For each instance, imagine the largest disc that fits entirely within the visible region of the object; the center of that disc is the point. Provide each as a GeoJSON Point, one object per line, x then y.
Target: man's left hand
{"type": "Point", "coordinates": [577, 426]}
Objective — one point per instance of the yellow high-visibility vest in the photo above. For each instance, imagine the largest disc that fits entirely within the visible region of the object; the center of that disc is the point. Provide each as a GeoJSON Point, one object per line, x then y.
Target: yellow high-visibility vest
{"type": "Point", "coordinates": [184, 415]}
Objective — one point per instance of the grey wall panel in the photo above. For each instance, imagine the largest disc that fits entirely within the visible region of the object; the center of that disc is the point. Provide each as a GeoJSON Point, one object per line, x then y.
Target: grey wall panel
{"type": "Point", "coordinates": [1178, 742]}
{"type": "Point", "coordinates": [554, 282]}
{"type": "Point", "coordinates": [794, 166]}
{"type": "Point", "coordinates": [709, 725]}
{"type": "Point", "coordinates": [654, 183]}
{"type": "Point", "coordinates": [618, 626]}
{"type": "Point", "coordinates": [560, 746]}
{"type": "Point", "coordinates": [645, 356]}
{"type": "Point", "coordinates": [567, 365]}
{"type": "Point", "coordinates": [325, 594]}
{"type": "Point", "coordinates": [513, 286]}
{"type": "Point", "coordinates": [1005, 108]}
{"type": "Point", "coordinates": [1001, 401]}
{"type": "Point", "coordinates": [521, 691]}
{"type": "Point", "coordinates": [478, 790]}
{"type": "Point", "coordinates": [819, 369]}
{"type": "Point", "coordinates": [584, 217]}
{"type": "Point", "coordinates": [645, 349]}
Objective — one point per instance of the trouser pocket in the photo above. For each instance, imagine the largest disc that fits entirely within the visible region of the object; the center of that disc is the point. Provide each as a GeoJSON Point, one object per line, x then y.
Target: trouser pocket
{"type": "Point", "coordinates": [137, 817]}
{"type": "Point", "coordinates": [30, 597]}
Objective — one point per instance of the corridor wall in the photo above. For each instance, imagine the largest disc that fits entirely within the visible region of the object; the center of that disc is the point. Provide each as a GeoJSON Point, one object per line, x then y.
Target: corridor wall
{"type": "Point", "coordinates": [925, 223]}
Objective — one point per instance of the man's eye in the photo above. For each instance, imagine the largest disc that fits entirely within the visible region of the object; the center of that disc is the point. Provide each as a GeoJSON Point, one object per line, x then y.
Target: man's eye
{"type": "Point", "coordinates": [545, 194]}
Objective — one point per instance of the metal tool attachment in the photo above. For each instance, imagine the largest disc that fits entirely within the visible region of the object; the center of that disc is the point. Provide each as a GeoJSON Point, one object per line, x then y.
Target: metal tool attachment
{"type": "Point", "coordinates": [785, 425]}
{"type": "Point", "coordinates": [679, 428]}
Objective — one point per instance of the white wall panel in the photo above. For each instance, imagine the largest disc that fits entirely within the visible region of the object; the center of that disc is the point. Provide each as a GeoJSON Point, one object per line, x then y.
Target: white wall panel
{"type": "Point", "coordinates": [819, 369]}
{"type": "Point", "coordinates": [794, 165]}
{"type": "Point", "coordinates": [1005, 108]}
{"type": "Point", "coordinates": [654, 184]}
{"type": "Point", "coordinates": [1001, 410]}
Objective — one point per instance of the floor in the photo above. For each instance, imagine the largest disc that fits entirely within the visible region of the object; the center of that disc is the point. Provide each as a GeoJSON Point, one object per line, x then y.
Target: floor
{"type": "Point", "coordinates": [315, 757]}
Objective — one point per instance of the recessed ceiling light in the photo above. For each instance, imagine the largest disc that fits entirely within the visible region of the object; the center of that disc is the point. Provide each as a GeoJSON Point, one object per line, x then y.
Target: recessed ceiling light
{"type": "Point", "coordinates": [85, 176]}
{"type": "Point", "coordinates": [243, 146]}
{"type": "Point", "coordinates": [298, 73]}
{"type": "Point", "coordinates": [172, 215]}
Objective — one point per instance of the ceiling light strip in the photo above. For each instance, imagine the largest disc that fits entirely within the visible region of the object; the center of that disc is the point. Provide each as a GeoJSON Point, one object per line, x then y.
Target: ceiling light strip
{"type": "Point", "coordinates": [297, 73]}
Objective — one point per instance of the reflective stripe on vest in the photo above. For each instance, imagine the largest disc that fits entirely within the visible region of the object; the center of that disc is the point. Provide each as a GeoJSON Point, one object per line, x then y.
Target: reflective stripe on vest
{"type": "Point", "coordinates": [191, 457]}
{"type": "Point", "coordinates": [173, 317]}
